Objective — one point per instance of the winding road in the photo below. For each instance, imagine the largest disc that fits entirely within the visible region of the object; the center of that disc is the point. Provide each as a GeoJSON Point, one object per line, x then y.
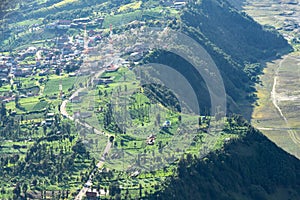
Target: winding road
{"type": "Point", "coordinates": [63, 111]}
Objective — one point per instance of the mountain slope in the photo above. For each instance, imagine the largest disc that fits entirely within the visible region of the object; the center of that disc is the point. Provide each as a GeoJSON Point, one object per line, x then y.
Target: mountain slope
{"type": "Point", "coordinates": [251, 167]}
{"type": "Point", "coordinates": [234, 41]}
{"type": "Point", "coordinates": [232, 31]}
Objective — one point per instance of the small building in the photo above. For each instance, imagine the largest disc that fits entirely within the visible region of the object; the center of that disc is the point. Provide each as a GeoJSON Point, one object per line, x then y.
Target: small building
{"type": "Point", "coordinates": [112, 68]}
{"type": "Point", "coordinates": [167, 123]}
{"type": "Point", "coordinates": [103, 81]}
{"type": "Point", "coordinates": [49, 121]}
{"type": "Point", "coordinates": [72, 74]}
{"type": "Point", "coordinates": [135, 174]}
{"type": "Point", "coordinates": [31, 50]}
{"type": "Point", "coordinates": [179, 5]}
{"type": "Point", "coordinates": [22, 72]}
{"type": "Point", "coordinates": [82, 115]}
{"type": "Point", "coordinates": [81, 20]}
{"type": "Point", "coordinates": [76, 99]}
{"type": "Point", "coordinates": [92, 194]}
{"type": "Point", "coordinates": [136, 56]}
{"type": "Point", "coordinates": [85, 115]}
{"type": "Point", "coordinates": [64, 22]}
{"type": "Point", "coordinates": [51, 26]}
{"type": "Point", "coordinates": [82, 93]}
{"type": "Point", "coordinates": [50, 115]}
{"type": "Point", "coordinates": [151, 139]}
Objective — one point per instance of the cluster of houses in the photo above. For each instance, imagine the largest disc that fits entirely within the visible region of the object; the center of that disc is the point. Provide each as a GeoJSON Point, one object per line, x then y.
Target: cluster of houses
{"type": "Point", "coordinates": [178, 4]}
{"type": "Point", "coordinates": [151, 138]}
{"type": "Point", "coordinates": [67, 54]}
{"type": "Point", "coordinates": [41, 61]}
{"type": "Point", "coordinates": [49, 120]}
{"type": "Point", "coordinates": [6, 62]}
{"type": "Point", "coordinates": [76, 23]}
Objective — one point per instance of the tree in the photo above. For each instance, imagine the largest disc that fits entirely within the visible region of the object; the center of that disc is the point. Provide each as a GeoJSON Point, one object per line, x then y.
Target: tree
{"type": "Point", "coordinates": [17, 104]}
{"type": "Point", "coordinates": [140, 190]}
{"type": "Point", "coordinates": [111, 138]}
{"type": "Point", "coordinates": [34, 182]}
{"type": "Point", "coordinates": [3, 110]}
{"type": "Point", "coordinates": [114, 188]}
{"type": "Point", "coordinates": [99, 188]}
{"type": "Point", "coordinates": [45, 129]}
{"type": "Point", "coordinates": [25, 188]}
{"type": "Point", "coordinates": [79, 148]}
{"type": "Point", "coordinates": [158, 119]}
{"type": "Point", "coordinates": [17, 190]}
{"type": "Point", "coordinates": [179, 118]}
{"type": "Point", "coordinates": [105, 190]}
{"type": "Point", "coordinates": [118, 197]}
{"type": "Point", "coordinates": [57, 71]}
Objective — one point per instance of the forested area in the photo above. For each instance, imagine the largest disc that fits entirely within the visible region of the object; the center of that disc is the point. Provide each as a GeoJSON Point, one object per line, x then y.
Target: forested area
{"type": "Point", "coordinates": [48, 153]}
{"type": "Point", "coordinates": [251, 167]}
{"type": "Point", "coordinates": [236, 43]}
{"type": "Point", "coordinates": [41, 156]}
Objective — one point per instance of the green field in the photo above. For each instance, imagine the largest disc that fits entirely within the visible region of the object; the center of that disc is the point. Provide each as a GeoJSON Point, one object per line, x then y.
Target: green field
{"type": "Point", "coordinates": [130, 151]}
{"type": "Point", "coordinates": [52, 86]}
{"type": "Point", "coordinates": [120, 19]}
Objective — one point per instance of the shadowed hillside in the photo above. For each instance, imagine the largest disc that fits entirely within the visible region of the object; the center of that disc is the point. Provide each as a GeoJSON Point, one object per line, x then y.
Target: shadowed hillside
{"type": "Point", "coordinates": [251, 167]}
{"type": "Point", "coordinates": [236, 43]}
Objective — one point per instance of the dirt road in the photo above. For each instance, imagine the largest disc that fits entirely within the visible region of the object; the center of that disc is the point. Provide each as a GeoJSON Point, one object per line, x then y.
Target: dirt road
{"type": "Point", "coordinates": [63, 111]}
{"type": "Point", "coordinates": [292, 133]}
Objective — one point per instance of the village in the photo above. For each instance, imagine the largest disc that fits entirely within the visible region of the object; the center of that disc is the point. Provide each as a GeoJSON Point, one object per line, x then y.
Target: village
{"type": "Point", "coordinates": [71, 79]}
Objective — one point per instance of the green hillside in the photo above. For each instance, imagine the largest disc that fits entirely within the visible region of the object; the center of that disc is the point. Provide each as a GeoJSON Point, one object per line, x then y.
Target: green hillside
{"type": "Point", "coordinates": [72, 120]}
{"type": "Point", "coordinates": [251, 167]}
{"type": "Point", "coordinates": [237, 45]}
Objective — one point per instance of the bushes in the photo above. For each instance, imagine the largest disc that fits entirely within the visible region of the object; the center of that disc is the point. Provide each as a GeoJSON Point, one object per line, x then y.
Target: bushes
{"type": "Point", "coordinates": [249, 168]}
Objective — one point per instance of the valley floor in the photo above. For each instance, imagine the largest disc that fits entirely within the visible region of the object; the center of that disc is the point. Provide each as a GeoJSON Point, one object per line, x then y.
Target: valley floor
{"type": "Point", "coordinates": [276, 113]}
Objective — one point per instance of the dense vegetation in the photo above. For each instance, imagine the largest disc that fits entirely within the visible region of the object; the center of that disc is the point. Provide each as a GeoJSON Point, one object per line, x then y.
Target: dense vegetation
{"type": "Point", "coordinates": [36, 157]}
{"type": "Point", "coordinates": [53, 160]}
{"type": "Point", "coordinates": [251, 167]}
{"type": "Point", "coordinates": [236, 43]}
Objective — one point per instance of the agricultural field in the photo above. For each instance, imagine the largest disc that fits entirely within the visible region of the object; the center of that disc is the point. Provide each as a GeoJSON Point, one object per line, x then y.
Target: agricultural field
{"type": "Point", "coordinates": [32, 141]}
{"type": "Point", "coordinates": [149, 14]}
{"type": "Point", "coordinates": [282, 15]}
{"type": "Point", "coordinates": [125, 111]}
{"type": "Point", "coordinates": [52, 86]}
{"type": "Point", "coordinates": [276, 112]}
{"type": "Point", "coordinates": [111, 132]}
{"type": "Point", "coordinates": [281, 126]}
{"type": "Point", "coordinates": [133, 6]}
{"type": "Point", "coordinates": [62, 3]}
